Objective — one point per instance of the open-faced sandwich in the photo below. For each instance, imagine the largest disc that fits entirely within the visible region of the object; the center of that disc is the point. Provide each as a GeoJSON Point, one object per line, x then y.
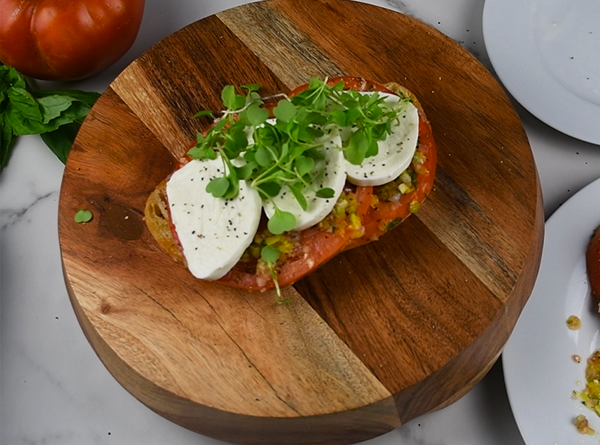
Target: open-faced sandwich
{"type": "Point", "coordinates": [274, 189]}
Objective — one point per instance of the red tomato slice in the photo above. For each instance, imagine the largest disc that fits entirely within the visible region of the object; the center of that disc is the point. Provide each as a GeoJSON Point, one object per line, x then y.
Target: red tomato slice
{"type": "Point", "coordinates": [384, 214]}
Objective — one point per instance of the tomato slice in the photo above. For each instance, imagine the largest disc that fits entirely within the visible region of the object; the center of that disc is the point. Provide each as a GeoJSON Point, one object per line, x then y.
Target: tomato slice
{"type": "Point", "coordinates": [389, 208]}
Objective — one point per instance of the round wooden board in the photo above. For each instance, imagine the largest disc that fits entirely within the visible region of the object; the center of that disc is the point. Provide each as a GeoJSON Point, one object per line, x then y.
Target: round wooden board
{"type": "Point", "coordinates": [380, 334]}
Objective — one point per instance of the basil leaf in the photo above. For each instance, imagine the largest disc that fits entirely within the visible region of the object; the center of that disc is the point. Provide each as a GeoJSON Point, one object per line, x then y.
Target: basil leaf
{"type": "Point", "coordinates": [7, 141]}
{"type": "Point", "coordinates": [52, 106]}
{"type": "Point", "coordinates": [86, 97]}
{"type": "Point", "coordinates": [61, 140]}
{"type": "Point", "coordinates": [23, 103]}
{"type": "Point", "coordinates": [10, 77]}
{"type": "Point", "coordinates": [43, 112]}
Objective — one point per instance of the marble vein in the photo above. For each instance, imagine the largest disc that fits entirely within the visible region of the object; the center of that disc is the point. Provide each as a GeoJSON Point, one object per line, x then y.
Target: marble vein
{"type": "Point", "coordinates": [12, 216]}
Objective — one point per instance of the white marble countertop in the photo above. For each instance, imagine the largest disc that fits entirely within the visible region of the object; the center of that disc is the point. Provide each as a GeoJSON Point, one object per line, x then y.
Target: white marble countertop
{"type": "Point", "coordinates": [55, 390]}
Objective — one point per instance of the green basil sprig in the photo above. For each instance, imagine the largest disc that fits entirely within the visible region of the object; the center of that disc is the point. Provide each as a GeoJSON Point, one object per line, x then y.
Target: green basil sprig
{"type": "Point", "coordinates": [55, 115]}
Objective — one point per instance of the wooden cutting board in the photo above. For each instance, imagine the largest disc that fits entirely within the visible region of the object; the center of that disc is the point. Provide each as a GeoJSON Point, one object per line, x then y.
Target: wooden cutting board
{"type": "Point", "coordinates": [379, 335]}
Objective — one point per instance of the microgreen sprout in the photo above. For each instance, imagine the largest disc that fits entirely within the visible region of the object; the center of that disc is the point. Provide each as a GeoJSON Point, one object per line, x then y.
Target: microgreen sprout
{"type": "Point", "coordinates": [270, 153]}
{"type": "Point", "coordinates": [83, 216]}
{"type": "Point", "coordinates": [270, 255]}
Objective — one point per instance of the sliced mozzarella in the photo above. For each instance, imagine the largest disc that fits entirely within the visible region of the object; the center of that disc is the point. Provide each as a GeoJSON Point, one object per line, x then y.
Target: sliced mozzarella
{"type": "Point", "coordinates": [328, 173]}
{"type": "Point", "coordinates": [395, 152]}
{"type": "Point", "coordinates": [213, 232]}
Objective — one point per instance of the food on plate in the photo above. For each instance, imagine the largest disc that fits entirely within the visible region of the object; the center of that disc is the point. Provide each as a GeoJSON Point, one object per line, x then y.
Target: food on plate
{"type": "Point", "coordinates": [593, 264]}
{"type": "Point", "coordinates": [582, 424]}
{"type": "Point", "coordinates": [67, 40]}
{"type": "Point", "coordinates": [272, 190]}
{"type": "Point", "coordinates": [590, 395]}
{"type": "Point", "coordinates": [574, 323]}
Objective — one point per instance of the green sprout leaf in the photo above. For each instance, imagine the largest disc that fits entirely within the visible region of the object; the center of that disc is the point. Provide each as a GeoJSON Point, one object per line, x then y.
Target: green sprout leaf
{"type": "Point", "coordinates": [83, 216]}
{"type": "Point", "coordinates": [218, 187]}
{"type": "Point", "coordinates": [325, 193]}
{"type": "Point", "coordinates": [263, 157]}
{"type": "Point", "coordinates": [202, 153]}
{"type": "Point", "coordinates": [228, 97]}
{"type": "Point", "coordinates": [251, 87]}
{"type": "Point", "coordinates": [236, 142]}
{"type": "Point", "coordinates": [304, 165]}
{"type": "Point", "coordinates": [285, 151]}
{"type": "Point", "coordinates": [254, 115]}
{"type": "Point", "coordinates": [285, 111]}
{"type": "Point", "coordinates": [269, 189]}
{"type": "Point", "coordinates": [296, 190]}
{"type": "Point", "coordinates": [357, 148]}
{"type": "Point", "coordinates": [206, 113]}
{"type": "Point", "coordinates": [245, 171]}
{"type": "Point", "coordinates": [270, 254]}
{"type": "Point", "coordinates": [281, 221]}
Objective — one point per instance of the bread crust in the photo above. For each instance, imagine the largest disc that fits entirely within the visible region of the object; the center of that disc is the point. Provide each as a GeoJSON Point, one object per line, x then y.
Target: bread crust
{"type": "Point", "coordinates": [403, 91]}
{"type": "Point", "coordinates": [156, 215]}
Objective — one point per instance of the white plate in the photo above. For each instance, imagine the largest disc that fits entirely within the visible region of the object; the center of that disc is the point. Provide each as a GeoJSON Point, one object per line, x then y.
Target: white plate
{"type": "Point", "coordinates": [539, 371]}
{"type": "Point", "coordinates": [547, 54]}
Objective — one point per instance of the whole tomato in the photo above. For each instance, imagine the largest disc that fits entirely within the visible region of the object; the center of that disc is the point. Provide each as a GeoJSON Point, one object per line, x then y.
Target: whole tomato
{"type": "Point", "coordinates": [66, 39]}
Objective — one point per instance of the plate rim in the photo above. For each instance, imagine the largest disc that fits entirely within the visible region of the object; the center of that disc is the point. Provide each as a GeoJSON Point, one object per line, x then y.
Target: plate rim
{"type": "Point", "coordinates": [518, 44]}
{"type": "Point", "coordinates": [511, 363]}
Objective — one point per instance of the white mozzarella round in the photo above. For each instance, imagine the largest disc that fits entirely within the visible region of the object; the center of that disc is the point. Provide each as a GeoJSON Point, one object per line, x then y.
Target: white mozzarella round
{"type": "Point", "coordinates": [328, 173]}
{"type": "Point", "coordinates": [213, 232]}
{"type": "Point", "coordinates": [395, 152]}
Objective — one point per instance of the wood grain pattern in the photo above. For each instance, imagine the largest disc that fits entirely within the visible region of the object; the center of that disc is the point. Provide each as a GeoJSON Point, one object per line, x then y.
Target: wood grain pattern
{"type": "Point", "coordinates": [380, 334]}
